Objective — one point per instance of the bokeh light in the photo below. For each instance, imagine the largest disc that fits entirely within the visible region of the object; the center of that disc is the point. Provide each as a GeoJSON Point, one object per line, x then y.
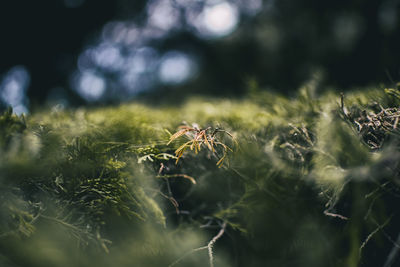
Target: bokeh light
{"type": "Point", "coordinates": [13, 89]}
{"type": "Point", "coordinates": [162, 14]}
{"type": "Point", "coordinates": [220, 19]}
{"type": "Point", "coordinates": [123, 60]}
{"type": "Point", "coordinates": [138, 74]}
{"type": "Point", "coordinates": [107, 56]}
{"type": "Point", "coordinates": [114, 32]}
{"type": "Point", "coordinates": [176, 68]}
{"type": "Point", "coordinates": [90, 85]}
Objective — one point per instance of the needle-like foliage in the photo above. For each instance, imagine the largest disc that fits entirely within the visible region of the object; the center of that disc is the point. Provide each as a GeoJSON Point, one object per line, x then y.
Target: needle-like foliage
{"type": "Point", "coordinates": [316, 182]}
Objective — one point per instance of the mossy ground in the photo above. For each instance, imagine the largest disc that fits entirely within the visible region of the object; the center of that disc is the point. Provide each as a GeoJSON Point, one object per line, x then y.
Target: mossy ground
{"type": "Point", "coordinates": [303, 185]}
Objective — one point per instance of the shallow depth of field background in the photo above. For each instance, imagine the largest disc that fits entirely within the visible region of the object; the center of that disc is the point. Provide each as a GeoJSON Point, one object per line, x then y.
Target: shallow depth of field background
{"type": "Point", "coordinates": [305, 93]}
{"type": "Point", "coordinates": [77, 52]}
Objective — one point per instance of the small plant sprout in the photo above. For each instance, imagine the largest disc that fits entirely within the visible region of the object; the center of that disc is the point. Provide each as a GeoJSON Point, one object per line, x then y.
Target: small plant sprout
{"type": "Point", "coordinates": [199, 138]}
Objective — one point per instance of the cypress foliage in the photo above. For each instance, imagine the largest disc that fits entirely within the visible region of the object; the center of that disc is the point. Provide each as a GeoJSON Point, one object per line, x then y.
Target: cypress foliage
{"type": "Point", "coordinates": [264, 181]}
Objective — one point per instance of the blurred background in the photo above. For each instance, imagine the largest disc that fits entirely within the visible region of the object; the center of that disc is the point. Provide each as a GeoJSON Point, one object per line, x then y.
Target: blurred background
{"type": "Point", "coordinates": [66, 53]}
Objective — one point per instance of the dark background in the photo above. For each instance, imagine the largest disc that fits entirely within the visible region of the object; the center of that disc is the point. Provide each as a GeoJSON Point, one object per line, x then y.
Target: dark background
{"type": "Point", "coordinates": [351, 43]}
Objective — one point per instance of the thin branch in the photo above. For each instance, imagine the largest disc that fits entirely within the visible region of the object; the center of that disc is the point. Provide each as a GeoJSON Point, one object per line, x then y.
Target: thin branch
{"type": "Point", "coordinates": [380, 227]}
{"type": "Point", "coordinates": [209, 247]}
{"type": "Point", "coordinates": [395, 243]}
{"type": "Point", "coordinates": [187, 254]}
{"type": "Point", "coordinates": [170, 198]}
{"type": "Point", "coordinates": [212, 242]}
{"type": "Point", "coordinates": [335, 215]}
{"type": "Point", "coordinates": [177, 176]}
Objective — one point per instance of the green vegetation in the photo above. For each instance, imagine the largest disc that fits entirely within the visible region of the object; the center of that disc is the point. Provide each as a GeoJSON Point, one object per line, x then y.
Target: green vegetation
{"type": "Point", "coordinates": [264, 181]}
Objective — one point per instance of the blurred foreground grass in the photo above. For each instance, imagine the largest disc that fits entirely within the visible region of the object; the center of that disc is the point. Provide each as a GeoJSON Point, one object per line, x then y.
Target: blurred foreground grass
{"type": "Point", "coordinates": [311, 181]}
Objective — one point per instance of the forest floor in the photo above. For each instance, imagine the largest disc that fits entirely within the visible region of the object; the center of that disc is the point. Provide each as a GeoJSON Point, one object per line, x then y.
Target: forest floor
{"type": "Point", "coordinates": [265, 180]}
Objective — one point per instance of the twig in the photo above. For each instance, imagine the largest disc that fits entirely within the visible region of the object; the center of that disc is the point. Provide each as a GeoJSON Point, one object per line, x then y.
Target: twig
{"type": "Point", "coordinates": [187, 254]}
{"type": "Point", "coordinates": [190, 178]}
{"type": "Point", "coordinates": [380, 227]}
{"type": "Point", "coordinates": [212, 242]}
{"type": "Point", "coordinates": [335, 215]}
{"type": "Point", "coordinates": [170, 198]}
{"type": "Point", "coordinates": [386, 234]}
{"type": "Point", "coordinates": [209, 247]}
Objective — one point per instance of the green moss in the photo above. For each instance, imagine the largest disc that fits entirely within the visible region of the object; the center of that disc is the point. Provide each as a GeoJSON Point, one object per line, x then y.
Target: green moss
{"type": "Point", "coordinates": [302, 187]}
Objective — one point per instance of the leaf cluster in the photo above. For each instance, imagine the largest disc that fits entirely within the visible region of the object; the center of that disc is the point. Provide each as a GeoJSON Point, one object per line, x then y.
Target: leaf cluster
{"type": "Point", "coordinates": [201, 138]}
